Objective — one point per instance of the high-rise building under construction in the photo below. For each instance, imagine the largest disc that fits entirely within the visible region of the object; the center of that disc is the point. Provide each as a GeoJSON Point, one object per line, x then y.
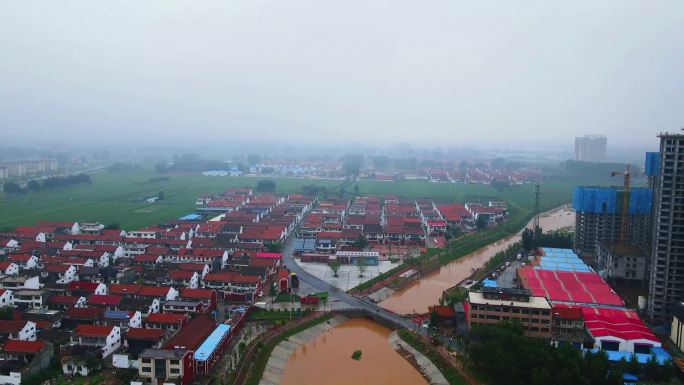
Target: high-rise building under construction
{"type": "Point", "coordinates": [599, 218]}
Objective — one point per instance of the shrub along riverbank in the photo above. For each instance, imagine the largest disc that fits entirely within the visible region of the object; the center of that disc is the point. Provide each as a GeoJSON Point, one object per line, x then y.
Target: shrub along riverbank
{"type": "Point", "coordinates": [446, 368]}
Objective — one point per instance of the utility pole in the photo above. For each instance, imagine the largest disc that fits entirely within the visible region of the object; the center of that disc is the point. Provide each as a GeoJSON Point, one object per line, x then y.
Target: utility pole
{"type": "Point", "coordinates": [537, 195]}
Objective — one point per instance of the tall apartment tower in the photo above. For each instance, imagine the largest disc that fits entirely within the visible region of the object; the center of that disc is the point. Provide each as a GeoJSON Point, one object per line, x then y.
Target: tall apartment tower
{"type": "Point", "coordinates": [591, 148]}
{"type": "Point", "coordinates": [666, 283]}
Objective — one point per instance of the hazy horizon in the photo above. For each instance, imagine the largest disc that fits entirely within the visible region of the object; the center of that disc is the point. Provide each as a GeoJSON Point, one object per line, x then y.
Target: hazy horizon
{"type": "Point", "coordinates": [442, 73]}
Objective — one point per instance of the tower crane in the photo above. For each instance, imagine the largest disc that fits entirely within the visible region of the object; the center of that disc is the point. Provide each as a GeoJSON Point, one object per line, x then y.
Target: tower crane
{"type": "Point", "coordinates": [625, 201]}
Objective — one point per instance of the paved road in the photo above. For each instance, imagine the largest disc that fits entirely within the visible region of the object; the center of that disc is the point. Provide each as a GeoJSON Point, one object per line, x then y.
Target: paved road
{"type": "Point", "coordinates": [337, 294]}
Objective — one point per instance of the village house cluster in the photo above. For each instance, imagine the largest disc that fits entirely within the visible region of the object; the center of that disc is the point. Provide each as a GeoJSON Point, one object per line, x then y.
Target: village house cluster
{"type": "Point", "coordinates": [164, 299]}
{"type": "Point", "coordinates": [389, 227]}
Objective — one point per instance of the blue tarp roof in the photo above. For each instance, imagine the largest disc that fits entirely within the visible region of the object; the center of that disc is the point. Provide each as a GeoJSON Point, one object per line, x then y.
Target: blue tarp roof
{"type": "Point", "coordinates": [304, 244]}
{"type": "Point", "coordinates": [489, 283]}
{"type": "Point", "coordinates": [209, 345]}
{"type": "Point", "coordinates": [661, 355]}
{"type": "Point", "coordinates": [117, 314]}
{"type": "Point", "coordinates": [190, 217]}
{"type": "Point", "coordinates": [557, 250]}
{"type": "Point", "coordinates": [563, 260]}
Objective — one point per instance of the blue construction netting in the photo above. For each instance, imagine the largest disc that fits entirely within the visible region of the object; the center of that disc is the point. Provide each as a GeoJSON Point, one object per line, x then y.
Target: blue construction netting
{"type": "Point", "coordinates": [652, 166]}
{"type": "Point", "coordinates": [608, 200]}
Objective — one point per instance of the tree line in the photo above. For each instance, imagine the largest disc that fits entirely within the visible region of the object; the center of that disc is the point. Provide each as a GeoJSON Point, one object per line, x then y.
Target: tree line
{"type": "Point", "coordinates": [537, 238]}
{"type": "Point", "coordinates": [506, 356]}
{"type": "Point", "coordinates": [46, 184]}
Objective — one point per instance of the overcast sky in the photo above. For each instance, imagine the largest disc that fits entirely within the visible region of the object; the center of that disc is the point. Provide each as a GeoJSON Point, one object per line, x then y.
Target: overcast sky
{"type": "Point", "coordinates": [447, 72]}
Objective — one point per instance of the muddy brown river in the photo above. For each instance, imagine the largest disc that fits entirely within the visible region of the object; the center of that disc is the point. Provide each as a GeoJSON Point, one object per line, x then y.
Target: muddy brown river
{"type": "Point", "coordinates": [426, 291]}
{"type": "Point", "coordinates": [327, 358]}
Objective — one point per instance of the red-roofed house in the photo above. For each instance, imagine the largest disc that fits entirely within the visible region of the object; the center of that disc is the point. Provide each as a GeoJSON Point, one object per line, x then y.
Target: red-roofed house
{"type": "Point", "coordinates": [63, 302]}
{"type": "Point", "coordinates": [9, 268]}
{"type": "Point", "coordinates": [147, 260]}
{"type": "Point", "coordinates": [234, 286]}
{"type": "Point", "coordinates": [166, 321]}
{"type": "Point", "coordinates": [208, 297]}
{"type": "Point", "coordinates": [21, 350]}
{"type": "Point", "coordinates": [183, 278]}
{"type": "Point", "coordinates": [86, 288]}
{"type": "Point", "coordinates": [201, 268]}
{"type": "Point", "coordinates": [139, 339]}
{"type": "Point", "coordinates": [124, 290]}
{"type": "Point", "coordinates": [6, 298]}
{"type": "Point", "coordinates": [107, 338]}
{"type": "Point", "coordinates": [108, 302]}
{"type": "Point", "coordinates": [163, 293]}
{"type": "Point", "coordinates": [567, 325]}
{"type": "Point", "coordinates": [61, 273]}
{"type": "Point", "coordinates": [18, 330]}
{"type": "Point", "coordinates": [24, 261]}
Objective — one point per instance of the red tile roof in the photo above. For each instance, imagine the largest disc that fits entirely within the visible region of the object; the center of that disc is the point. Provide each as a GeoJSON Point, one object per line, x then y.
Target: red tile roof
{"type": "Point", "coordinates": [197, 293]}
{"type": "Point", "coordinates": [192, 335]}
{"type": "Point", "coordinates": [63, 299]}
{"type": "Point", "coordinates": [11, 326]}
{"type": "Point", "coordinates": [83, 285]}
{"type": "Point", "coordinates": [57, 268]}
{"type": "Point", "coordinates": [198, 267]}
{"type": "Point", "coordinates": [150, 258]}
{"type": "Point", "coordinates": [154, 291]}
{"type": "Point", "coordinates": [120, 289]}
{"type": "Point", "coordinates": [19, 257]}
{"type": "Point", "coordinates": [93, 330]}
{"type": "Point", "coordinates": [84, 313]}
{"type": "Point", "coordinates": [16, 346]}
{"type": "Point", "coordinates": [231, 277]}
{"type": "Point", "coordinates": [104, 300]}
{"type": "Point", "coordinates": [443, 311]}
{"type": "Point", "coordinates": [568, 312]}
{"type": "Point", "coordinates": [165, 318]}
{"type": "Point", "coordinates": [145, 334]}
{"type": "Point", "coordinates": [181, 274]}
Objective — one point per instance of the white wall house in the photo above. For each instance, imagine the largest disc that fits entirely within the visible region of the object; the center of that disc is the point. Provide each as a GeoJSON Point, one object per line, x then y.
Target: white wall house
{"type": "Point", "coordinates": [6, 298]}
{"type": "Point", "coordinates": [68, 275]}
{"type": "Point", "coordinates": [107, 338]}
{"type": "Point", "coordinates": [136, 320]}
{"type": "Point", "coordinates": [9, 268]}
{"type": "Point", "coordinates": [18, 330]}
{"type": "Point", "coordinates": [25, 261]}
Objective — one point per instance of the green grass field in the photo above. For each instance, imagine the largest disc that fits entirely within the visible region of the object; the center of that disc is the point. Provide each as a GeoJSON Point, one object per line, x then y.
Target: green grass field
{"type": "Point", "coordinates": [111, 198]}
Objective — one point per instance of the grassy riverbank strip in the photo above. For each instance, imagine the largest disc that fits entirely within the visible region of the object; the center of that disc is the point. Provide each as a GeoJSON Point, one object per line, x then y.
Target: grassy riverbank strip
{"type": "Point", "coordinates": [261, 357]}
{"type": "Point", "coordinates": [445, 367]}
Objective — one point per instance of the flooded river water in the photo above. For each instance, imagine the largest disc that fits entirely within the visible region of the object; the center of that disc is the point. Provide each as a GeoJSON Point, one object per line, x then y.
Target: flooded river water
{"type": "Point", "coordinates": [327, 358]}
{"type": "Point", "coordinates": [426, 291]}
